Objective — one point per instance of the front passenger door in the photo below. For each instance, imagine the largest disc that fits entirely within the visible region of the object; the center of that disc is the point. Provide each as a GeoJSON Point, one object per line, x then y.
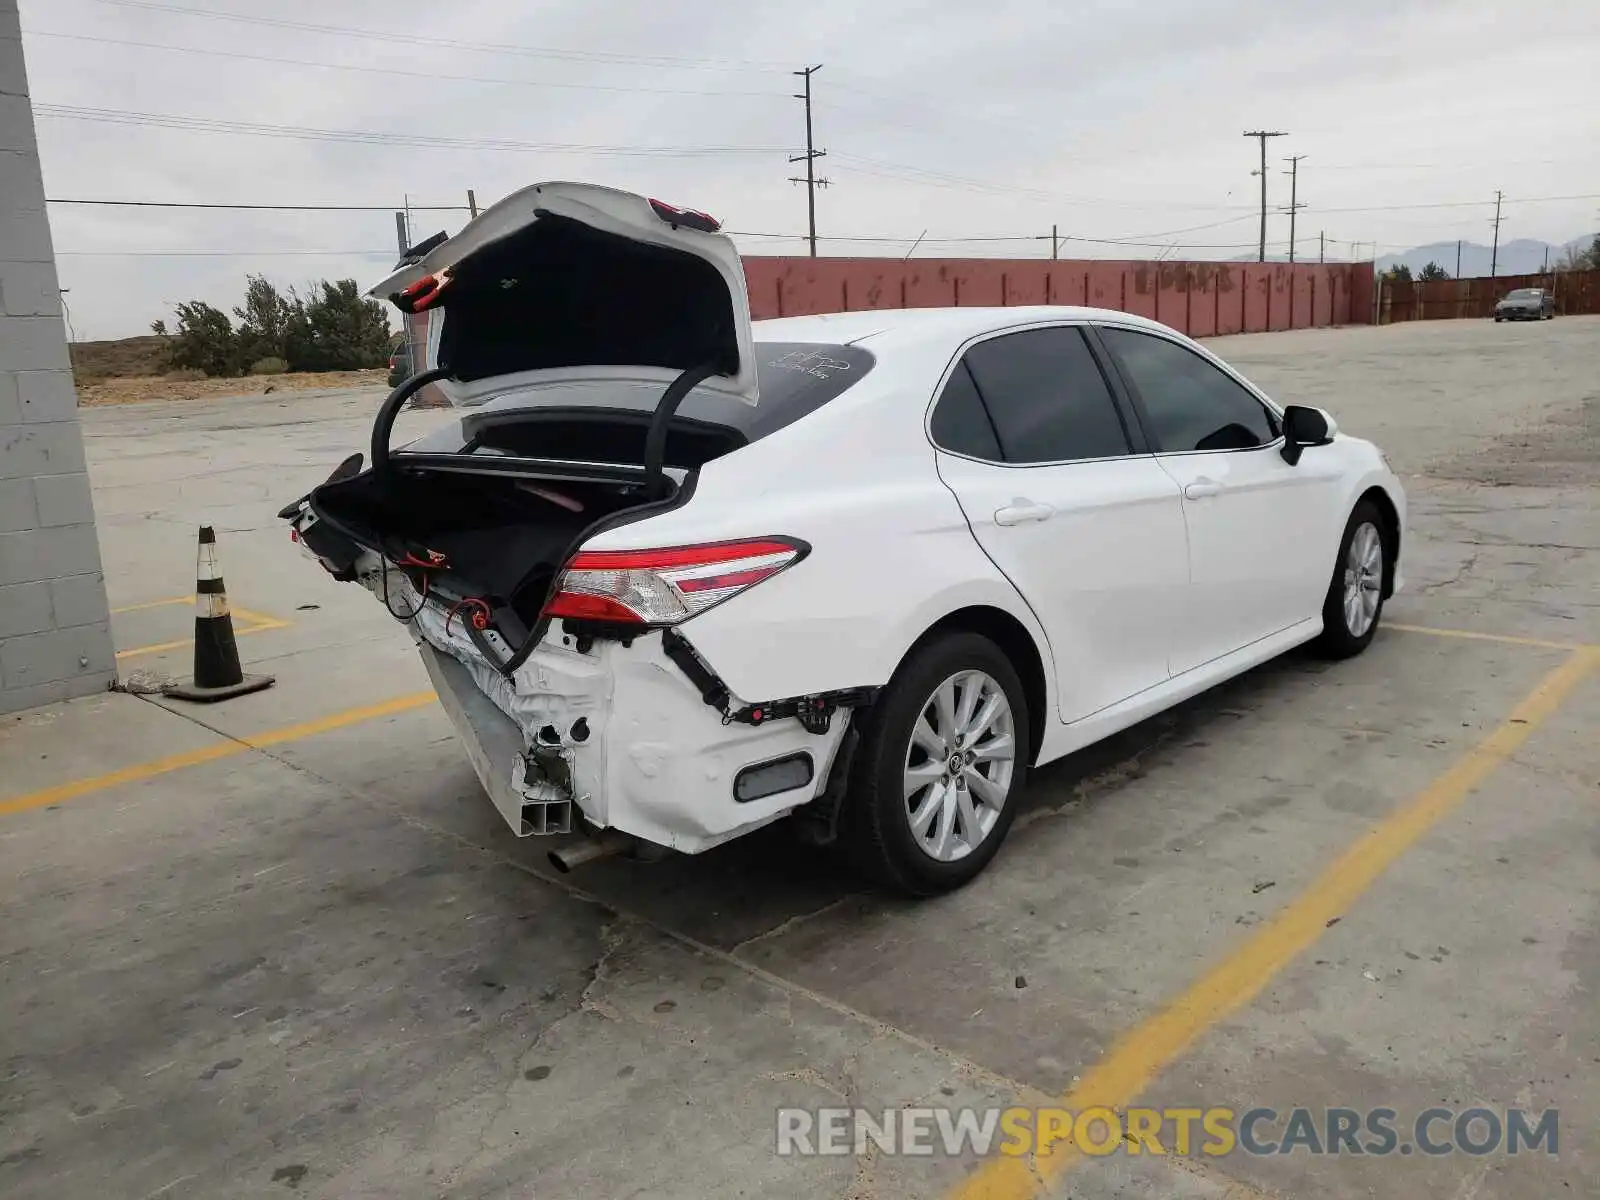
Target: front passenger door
{"type": "Point", "coordinates": [1262, 535]}
{"type": "Point", "coordinates": [1089, 532]}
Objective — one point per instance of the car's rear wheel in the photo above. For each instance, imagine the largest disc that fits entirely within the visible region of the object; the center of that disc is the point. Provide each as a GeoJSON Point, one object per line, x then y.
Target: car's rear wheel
{"type": "Point", "coordinates": [1354, 603]}
{"type": "Point", "coordinates": [941, 764]}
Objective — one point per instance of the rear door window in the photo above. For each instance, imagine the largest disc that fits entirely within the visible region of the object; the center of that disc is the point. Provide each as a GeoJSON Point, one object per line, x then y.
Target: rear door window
{"type": "Point", "coordinates": [1045, 397]}
{"type": "Point", "coordinates": [961, 423]}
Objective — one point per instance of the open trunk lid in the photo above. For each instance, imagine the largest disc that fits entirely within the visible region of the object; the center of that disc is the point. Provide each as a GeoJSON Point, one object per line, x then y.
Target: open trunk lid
{"type": "Point", "coordinates": [562, 282]}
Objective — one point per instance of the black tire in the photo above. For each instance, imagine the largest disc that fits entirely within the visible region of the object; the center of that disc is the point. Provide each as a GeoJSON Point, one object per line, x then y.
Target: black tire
{"type": "Point", "coordinates": [875, 824]}
{"type": "Point", "coordinates": [1337, 639]}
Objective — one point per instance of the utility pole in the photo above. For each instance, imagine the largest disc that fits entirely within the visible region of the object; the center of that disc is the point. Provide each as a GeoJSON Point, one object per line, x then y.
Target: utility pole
{"type": "Point", "coordinates": [1055, 242]}
{"type": "Point", "coordinates": [1294, 205]}
{"type": "Point", "coordinates": [472, 204]}
{"type": "Point", "coordinates": [1262, 135]}
{"type": "Point", "coordinates": [400, 233]}
{"type": "Point", "coordinates": [810, 159]}
{"type": "Point", "coordinates": [1458, 258]}
{"type": "Point", "coordinates": [1322, 246]}
{"type": "Point", "coordinates": [1494, 255]}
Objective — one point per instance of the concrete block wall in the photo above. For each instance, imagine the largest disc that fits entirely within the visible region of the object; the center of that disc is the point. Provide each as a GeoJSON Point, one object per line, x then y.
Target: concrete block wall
{"type": "Point", "coordinates": [55, 633]}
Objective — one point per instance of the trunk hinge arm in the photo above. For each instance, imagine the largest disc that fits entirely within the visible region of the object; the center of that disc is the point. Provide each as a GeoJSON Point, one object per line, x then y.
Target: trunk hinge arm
{"type": "Point", "coordinates": [655, 442]}
{"type": "Point", "coordinates": [383, 423]}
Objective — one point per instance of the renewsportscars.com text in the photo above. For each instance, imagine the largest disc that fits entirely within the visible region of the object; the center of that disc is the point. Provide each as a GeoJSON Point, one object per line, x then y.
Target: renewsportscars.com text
{"type": "Point", "coordinates": [1211, 1132]}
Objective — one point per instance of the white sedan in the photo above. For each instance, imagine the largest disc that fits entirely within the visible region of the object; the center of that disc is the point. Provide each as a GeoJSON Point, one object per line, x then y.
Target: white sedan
{"type": "Point", "coordinates": [677, 575]}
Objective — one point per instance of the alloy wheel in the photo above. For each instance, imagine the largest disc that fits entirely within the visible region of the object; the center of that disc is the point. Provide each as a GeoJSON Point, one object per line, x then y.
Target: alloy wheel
{"type": "Point", "coordinates": [959, 765]}
{"type": "Point", "coordinates": [1363, 579]}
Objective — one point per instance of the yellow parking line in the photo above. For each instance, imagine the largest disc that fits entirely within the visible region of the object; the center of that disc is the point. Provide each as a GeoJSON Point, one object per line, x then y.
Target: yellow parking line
{"type": "Point", "coordinates": [1473, 635]}
{"type": "Point", "coordinates": [153, 604]}
{"type": "Point", "coordinates": [193, 758]}
{"type": "Point", "coordinates": [252, 622]}
{"type": "Point", "coordinates": [154, 648]}
{"type": "Point", "coordinates": [258, 622]}
{"type": "Point", "coordinates": [1141, 1054]}
{"type": "Point", "coordinates": [163, 647]}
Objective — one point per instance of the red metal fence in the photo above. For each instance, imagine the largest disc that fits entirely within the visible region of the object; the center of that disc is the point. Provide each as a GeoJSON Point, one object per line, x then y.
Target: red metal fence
{"type": "Point", "coordinates": [1441, 299]}
{"type": "Point", "coordinates": [1200, 299]}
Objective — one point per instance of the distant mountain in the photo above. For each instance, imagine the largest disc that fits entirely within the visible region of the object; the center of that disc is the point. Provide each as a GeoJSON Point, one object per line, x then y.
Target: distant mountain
{"type": "Point", "coordinates": [1520, 256]}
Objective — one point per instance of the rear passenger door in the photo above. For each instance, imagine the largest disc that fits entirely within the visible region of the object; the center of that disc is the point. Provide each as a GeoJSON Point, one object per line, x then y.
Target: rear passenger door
{"type": "Point", "coordinates": [1088, 527]}
{"type": "Point", "coordinates": [1262, 533]}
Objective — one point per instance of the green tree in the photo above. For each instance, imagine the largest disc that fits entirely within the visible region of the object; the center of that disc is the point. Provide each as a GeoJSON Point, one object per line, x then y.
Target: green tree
{"type": "Point", "coordinates": [1434, 271]}
{"type": "Point", "coordinates": [332, 328]}
{"type": "Point", "coordinates": [1399, 271]}
{"type": "Point", "coordinates": [264, 320]}
{"type": "Point", "coordinates": [205, 340]}
{"type": "Point", "coordinates": [335, 328]}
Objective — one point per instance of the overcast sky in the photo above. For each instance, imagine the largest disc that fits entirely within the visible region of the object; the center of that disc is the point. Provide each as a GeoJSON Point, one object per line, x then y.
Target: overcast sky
{"type": "Point", "coordinates": [1112, 120]}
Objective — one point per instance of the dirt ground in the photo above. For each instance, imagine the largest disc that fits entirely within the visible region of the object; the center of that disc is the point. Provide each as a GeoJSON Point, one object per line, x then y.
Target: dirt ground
{"type": "Point", "coordinates": [144, 389]}
{"type": "Point", "coordinates": [284, 947]}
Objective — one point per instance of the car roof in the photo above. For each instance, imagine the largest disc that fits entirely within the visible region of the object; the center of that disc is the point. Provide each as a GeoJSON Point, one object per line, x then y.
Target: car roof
{"type": "Point", "coordinates": [922, 325]}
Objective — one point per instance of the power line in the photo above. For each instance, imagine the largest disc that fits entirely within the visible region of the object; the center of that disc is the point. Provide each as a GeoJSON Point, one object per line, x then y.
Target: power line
{"type": "Point", "coordinates": [810, 159]}
{"type": "Point", "coordinates": [261, 207]}
{"type": "Point", "coordinates": [912, 174]}
{"type": "Point", "coordinates": [395, 71]}
{"type": "Point", "coordinates": [380, 137]}
{"type": "Point", "coordinates": [1494, 255]}
{"type": "Point", "coordinates": [567, 55]}
{"type": "Point", "coordinates": [1294, 205]}
{"type": "Point", "coordinates": [1458, 203]}
{"type": "Point", "coordinates": [1261, 135]}
{"type": "Point", "coordinates": [274, 253]}
{"type": "Point", "coordinates": [854, 239]}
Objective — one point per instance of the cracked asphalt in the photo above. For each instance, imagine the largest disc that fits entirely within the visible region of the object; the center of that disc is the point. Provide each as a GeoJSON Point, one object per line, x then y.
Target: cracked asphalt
{"type": "Point", "coordinates": [324, 968]}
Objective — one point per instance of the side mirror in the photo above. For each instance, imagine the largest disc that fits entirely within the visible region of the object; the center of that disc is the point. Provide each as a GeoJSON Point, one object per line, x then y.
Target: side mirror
{"type": "Point", "coordinates": [1304, 427]}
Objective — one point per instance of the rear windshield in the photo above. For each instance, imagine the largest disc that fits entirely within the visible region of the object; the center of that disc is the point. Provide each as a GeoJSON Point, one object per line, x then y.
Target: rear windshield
{"type": "Point", "coordinates": [794, 378]}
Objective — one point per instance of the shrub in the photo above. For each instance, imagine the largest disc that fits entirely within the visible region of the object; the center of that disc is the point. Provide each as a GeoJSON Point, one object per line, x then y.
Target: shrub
{"type": "Point", "coordinates": [184, 375]}
{"type": "Point", "coordinates": [205, 340]}
{"type": "Point", "coordinates": [332, 328]}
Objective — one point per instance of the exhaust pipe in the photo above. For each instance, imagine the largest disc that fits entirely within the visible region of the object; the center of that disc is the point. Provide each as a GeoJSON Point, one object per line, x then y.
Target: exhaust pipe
{"type": "Point", "coordinates": [569, 857]}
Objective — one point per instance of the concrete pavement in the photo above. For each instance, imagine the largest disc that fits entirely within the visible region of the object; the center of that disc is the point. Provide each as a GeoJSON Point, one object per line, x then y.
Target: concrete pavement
{"type": "Point", "coordinates": [315, 962]}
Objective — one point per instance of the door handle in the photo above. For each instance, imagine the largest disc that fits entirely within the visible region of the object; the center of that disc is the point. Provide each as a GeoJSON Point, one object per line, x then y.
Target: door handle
{"type": "Point", "coordinates": [1201, 488]}
{"type": "Point", "coordinates": [1021, 510]}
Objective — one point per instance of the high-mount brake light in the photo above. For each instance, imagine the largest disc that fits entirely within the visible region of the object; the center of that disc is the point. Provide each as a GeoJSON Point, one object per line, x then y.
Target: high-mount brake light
{"type": "Point", "coordinates": [688, 218]}
{"type": "Point", "coordinates": [666, 586]}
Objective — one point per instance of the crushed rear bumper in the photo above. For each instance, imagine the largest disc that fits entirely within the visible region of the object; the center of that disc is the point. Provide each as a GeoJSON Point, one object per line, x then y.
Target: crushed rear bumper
{"type": "Point", "coordinates": [619, 734]}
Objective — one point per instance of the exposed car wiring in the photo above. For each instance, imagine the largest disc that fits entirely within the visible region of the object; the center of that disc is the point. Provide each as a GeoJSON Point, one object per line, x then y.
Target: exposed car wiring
{"type": "Point", "coordinates": [479, 617]}
{"type": "Point", "coordinates": [403, 617]}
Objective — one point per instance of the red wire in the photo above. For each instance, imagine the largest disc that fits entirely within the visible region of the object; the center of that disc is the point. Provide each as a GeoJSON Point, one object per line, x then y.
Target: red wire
{"type": "Point", "coordinates": [479, 618]}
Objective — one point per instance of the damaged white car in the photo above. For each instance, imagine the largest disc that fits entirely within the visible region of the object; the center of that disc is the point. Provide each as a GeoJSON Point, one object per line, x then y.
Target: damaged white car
{"type": "Point", "coordinates": [676, 575]}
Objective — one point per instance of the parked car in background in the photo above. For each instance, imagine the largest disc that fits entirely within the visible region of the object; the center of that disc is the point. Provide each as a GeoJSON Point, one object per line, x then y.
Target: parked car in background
{"type": "Point", "coordinates": [1526, 304]}
{"type": "Point", "coordinates": [400, 364]}
{"type": "Point", "coordinates": [676, 574]}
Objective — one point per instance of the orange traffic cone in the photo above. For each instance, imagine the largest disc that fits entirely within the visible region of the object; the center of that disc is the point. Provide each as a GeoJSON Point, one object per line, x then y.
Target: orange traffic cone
{"type": "Point", "coordinates": [217, 673]}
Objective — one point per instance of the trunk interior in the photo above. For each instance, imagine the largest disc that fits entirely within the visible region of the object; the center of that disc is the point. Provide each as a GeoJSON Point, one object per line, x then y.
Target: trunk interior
{"type": "Point", "coordinates": [502, 541]}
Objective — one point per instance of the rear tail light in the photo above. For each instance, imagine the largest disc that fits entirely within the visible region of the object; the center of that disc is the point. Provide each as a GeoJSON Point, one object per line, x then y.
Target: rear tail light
{"type": "Point", "coordinates": [664, 587]}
